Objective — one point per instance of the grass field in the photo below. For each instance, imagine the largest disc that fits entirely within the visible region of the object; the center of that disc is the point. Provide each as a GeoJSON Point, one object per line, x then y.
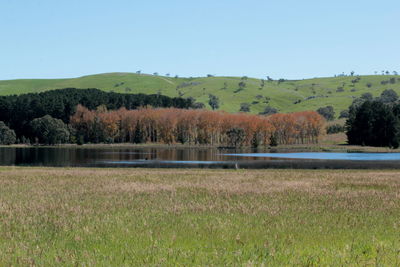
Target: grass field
{"type": "Point", "coordinates": [123, 217]}
{"type": "Point", "coordinates": [312, 93]}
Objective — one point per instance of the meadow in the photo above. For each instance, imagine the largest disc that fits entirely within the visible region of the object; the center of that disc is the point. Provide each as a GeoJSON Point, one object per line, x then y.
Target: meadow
{"type": "Point", "coordinates": [286, 96]}
{"type": "Point", "coordinates": [124, 217]}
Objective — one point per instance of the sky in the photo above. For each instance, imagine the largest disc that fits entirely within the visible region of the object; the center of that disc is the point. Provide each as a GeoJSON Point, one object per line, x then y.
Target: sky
{"type": "Point", "coordinates": [256, 38]}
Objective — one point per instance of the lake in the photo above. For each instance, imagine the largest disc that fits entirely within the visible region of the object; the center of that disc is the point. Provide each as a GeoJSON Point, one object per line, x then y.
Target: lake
{"type": "Point", "coordinates": [180, 157]}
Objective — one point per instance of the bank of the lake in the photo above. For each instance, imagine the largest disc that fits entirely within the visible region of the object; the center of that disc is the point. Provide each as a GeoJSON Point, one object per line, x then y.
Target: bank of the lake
{"type": "Point", "coordinates": [320, 147]}
{"type": "Point", "coordinates": [83, 216]}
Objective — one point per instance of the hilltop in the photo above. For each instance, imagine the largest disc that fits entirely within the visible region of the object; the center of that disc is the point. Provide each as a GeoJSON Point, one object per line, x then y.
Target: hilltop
{"type": "Point", "coordinates": [284, 95]}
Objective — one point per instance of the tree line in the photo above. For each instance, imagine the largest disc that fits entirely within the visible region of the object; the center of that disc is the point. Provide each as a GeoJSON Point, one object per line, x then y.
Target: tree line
{"type": "Point", "coordinates": [17, 112]}
{"type": "Point", "coordinates": [93, 116]}
{"type": "Point", "coordinates": [195, 127]}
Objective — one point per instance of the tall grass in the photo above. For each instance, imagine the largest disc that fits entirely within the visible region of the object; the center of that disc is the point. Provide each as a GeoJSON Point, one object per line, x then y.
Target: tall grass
{"type": "Point", "coordinates": [122, 217]}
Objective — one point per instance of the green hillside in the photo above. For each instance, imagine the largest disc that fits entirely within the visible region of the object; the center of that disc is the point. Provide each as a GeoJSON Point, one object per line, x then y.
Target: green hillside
{"type": "Point", "coordinates": [286, 96]}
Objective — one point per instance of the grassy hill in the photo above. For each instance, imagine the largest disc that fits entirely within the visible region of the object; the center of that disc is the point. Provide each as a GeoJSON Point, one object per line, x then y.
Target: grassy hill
{"type": "Point", "coordinates": [286, 96]}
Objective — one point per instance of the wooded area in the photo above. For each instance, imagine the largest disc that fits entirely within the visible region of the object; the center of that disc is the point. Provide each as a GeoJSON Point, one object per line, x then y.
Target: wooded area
{"type": "Point", "coordinates": [171, 125]}
{"type": "Point", "coordinates": [17, 112]}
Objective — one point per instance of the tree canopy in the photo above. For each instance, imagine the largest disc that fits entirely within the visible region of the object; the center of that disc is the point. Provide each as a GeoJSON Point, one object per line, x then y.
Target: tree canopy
{"type": "Point", "coordinates": [374, 123]}
{"type": "Point", "coordinates": [7, 136]}
{"type": "Point", "coordinates": [19, 111]}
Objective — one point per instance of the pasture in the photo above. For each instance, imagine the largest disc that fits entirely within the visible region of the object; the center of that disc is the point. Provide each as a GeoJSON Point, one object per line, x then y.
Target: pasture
{"type": "Point", "coordinates": [123, 217]}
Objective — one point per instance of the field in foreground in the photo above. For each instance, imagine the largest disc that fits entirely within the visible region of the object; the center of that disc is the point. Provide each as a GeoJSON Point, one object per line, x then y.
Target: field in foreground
{"type": "Point", "coordinates": [127, 217]}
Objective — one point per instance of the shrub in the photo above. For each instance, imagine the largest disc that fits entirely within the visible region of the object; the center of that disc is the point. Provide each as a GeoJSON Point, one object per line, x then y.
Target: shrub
{"type": "Point", "coordinates": [327, 112]}
{"type": "Point", "coordinates": [335, 128]}
{"type": "Point", "coordinates": [268, 111]}
{"type": "Point", "coordinates": [344, 114]}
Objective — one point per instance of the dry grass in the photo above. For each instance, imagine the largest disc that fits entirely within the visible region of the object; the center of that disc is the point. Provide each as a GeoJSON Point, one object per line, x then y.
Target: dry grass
{"type": "Point", "coordinates": [77, 216]}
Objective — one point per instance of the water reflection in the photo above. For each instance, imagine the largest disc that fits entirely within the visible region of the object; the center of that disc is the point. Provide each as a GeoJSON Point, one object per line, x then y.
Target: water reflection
{"type": "Point", "coordinates": [183, 157]}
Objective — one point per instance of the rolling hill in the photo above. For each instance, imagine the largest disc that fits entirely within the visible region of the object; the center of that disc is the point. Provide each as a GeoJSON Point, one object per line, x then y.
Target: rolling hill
{"type": "Point", "coordinates": [286, 96]}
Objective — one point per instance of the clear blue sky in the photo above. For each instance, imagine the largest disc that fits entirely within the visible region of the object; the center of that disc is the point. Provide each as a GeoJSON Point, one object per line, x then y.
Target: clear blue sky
{"type": "Point", "coordinates": [282, 39]}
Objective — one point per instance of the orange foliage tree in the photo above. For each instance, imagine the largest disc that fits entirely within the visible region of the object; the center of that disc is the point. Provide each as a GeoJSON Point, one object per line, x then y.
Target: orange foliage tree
{"type": "Point", "coordinates": [172, 125]}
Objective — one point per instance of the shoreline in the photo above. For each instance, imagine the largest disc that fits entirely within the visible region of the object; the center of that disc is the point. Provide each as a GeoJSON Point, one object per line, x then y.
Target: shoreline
{"type": "Point", "coordinates": [278, 149]}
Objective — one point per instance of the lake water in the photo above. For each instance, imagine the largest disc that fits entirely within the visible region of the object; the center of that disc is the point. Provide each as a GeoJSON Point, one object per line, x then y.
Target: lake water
{"type": "Point", "coordinates": [323, 156]}
{"type": "Point", "coordinates": [189, 157]}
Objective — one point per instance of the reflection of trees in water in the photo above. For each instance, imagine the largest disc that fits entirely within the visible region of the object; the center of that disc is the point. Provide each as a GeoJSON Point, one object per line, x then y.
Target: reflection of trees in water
{"type": "Point", "coordinates": [7, 156]}
{"type": "Point", "coordinates": [79, 156]}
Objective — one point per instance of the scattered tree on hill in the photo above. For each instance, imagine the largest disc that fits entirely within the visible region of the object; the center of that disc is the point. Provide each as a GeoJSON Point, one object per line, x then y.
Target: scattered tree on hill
{"type": "Point", "coordinates": [242, 85]}
{"type": "Point", "coordinates": [367, 96]}
{"type": "Point", "coordinates": [244, 107]}
{"type": "Point", "coordinates": [335, 128]}
{"type": "Point", "coordinates": [7, 136]}
{"type": "Point", "coordinates": [213, 102]}
{"type": "Point", "coordinates": [268, 111]}
{"type": "Point", "coordinates": [389, 96]}
{"type": "Point", "coordinates": [199, 105]}
{"type": "Point", "coordinates": [327, 112]}
{"type": "Point", "coordinates": [262, 83]}
{"type": "Point", "coordinates": [281, 81]}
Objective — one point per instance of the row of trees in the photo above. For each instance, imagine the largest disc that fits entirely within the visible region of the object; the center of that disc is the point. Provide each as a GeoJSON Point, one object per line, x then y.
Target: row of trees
{"type": "Point", "coordinates": [171, 125]}
{"type": "Point", "coordinates": [17, 112]}
{"type": "Point", "coordinates": [375, 121]}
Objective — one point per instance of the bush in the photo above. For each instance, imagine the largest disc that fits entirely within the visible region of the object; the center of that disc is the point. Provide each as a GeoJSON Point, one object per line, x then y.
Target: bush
{"type": "Point", "coordinates": [268, 111]}
{"type": "Point", "coordinates": [244, 107]}
{"type": "Point", "coordinates": [199, 105]}
{"type": "Point", "coordinates": [327, 112]}
{"type": "Point", "coordinates": [335, 128]}
{"type": "Point", "coordinates": [344, 114]}
{"type": "Point", "coordinates": [388, 96]}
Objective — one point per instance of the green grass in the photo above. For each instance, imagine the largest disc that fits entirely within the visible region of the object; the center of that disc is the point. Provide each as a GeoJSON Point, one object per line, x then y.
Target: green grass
{"type": "Point", "coordinates": [282, 95]}
{"type": "Point", "coordinates": [125, 217]}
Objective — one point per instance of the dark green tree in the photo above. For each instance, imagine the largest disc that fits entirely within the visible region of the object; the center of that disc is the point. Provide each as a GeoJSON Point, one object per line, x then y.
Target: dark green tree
{"type": "Point", "coordinates": [373, 123]}
{"type": "Point", "coordinates": [244, 107]}
{"type": "Point", "coordinates": [51, 131]}
{"type": "Point", "coordinates": [7, 136]}
{"type": "Point", "coordinates": [327, 112]}
{"type": "Point", "coordinates": [268, 111]}
{"type": "Point", "coordinates": [213, 101]}
{"type": "Point", "coordinates": [344, 114]}
{"type": "Point", "coordinates": [236, 137]}
{"type": "Point", "coordinates": [389, 96]}
{"type": "Point", "coordinates": [138, 137]}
